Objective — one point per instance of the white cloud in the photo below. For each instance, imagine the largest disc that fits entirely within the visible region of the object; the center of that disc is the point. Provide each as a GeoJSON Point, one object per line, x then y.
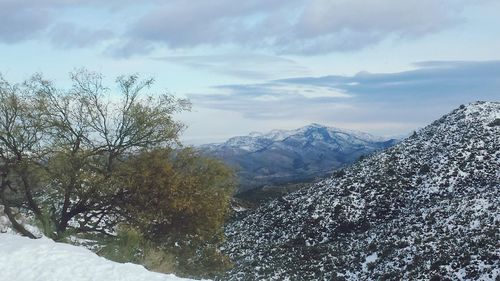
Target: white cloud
{"type": "Point", "coordinates": [290, 27]}
{"type": "Point", "coordinates": [296, 27]}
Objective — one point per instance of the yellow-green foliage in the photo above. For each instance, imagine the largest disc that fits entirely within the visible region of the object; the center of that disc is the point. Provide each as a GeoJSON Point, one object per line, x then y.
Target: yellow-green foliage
{"type": "Point", "coordinates": [184, 258]}
{"type": "Point", "coordinates": [179, 201]}
{"type": "Point", "coordinates": [177, 193]}
{"type": "Point", "coordinates": [130, 246]}
{"type": "Point", "coordinates": [127, 246]}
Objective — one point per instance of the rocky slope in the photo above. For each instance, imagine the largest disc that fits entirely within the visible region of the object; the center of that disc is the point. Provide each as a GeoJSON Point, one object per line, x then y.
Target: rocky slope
{"type": "Point", "coordinates": [282, 156]}
{"type": "Point", "coordinates": [427, 208]}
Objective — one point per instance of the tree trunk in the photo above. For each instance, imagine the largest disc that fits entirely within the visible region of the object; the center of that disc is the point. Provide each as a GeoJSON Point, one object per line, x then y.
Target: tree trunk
{"type": "Point", "coordinates": [8, 211]}
{"type": "Point", "coordinates": [17, 226]}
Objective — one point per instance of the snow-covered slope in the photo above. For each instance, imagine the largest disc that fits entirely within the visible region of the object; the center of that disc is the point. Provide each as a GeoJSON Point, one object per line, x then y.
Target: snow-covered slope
{"type": "Point", "coordinates": [282, 156]}
{"type": "Point", "coordinates": [427, 208]}
{"type": "Point", "coordinates": [24, 259]}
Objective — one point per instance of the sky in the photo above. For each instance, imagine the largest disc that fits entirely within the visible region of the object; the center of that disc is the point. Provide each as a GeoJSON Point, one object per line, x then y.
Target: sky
{"type": "Point", "coordinates": [386, 67]}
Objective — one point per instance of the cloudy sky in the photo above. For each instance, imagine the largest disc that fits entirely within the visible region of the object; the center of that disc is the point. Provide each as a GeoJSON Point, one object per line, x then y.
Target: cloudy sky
{"type": "Point", "coordinates": [382, 66]}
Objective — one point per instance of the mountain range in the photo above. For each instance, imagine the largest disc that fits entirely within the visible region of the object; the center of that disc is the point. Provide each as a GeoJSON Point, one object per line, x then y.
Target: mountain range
{"type": "Point", "coordinates": [427, 208]}
{"type": "Point", "coordinates": [283, 156]}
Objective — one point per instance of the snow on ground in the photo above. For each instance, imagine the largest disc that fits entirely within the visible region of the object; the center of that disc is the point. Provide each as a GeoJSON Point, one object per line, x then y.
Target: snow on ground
{"type": "Point", "coordinates": [24, 259]}
{"type": "Point", "coordinates": [371, 258]}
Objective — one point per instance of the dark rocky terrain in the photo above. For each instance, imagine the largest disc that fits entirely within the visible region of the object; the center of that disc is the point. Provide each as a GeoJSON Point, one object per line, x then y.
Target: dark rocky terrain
{"type": "Point", "coordinates": [427, 208]}
{"type": "Point", "coordinates": [282, 156]}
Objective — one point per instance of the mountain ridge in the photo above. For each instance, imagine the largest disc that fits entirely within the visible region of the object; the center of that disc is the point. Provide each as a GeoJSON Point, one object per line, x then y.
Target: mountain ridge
{"type": "Point", "coordinates": [280, 135]}
{"type": "Point", "coordinates": [282, 156]}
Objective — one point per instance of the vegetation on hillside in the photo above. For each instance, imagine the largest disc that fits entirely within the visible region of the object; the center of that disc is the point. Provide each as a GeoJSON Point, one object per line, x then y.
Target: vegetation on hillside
{"type": "Point", "coordinates": [89, 160]}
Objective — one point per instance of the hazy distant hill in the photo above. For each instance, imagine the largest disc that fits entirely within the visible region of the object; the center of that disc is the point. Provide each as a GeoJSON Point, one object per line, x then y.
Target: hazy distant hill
{"type": "Point", "coordinates": [425, 209]}
{"type": "Point", "coordinates": [282, 156]}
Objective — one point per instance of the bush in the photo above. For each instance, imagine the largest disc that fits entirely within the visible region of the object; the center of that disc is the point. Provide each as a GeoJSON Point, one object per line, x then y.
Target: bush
{"type": "Point", "coordinates": [495, 122]}
{"type": "Point", "coordinates": [194, 258]}
{"type": "Point", "coordinates": [424, 169]}
{"type": "Point", "coordinates": [176, 193]}
{"type": "Point", "coordinates": [180, 201]}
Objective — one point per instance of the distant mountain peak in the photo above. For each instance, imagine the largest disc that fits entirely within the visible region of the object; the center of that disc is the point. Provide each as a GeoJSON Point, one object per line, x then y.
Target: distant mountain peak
{"type": "Point", "coordinates": [256, 140]}
{"type": "Point", "coordinates": [280, 156]}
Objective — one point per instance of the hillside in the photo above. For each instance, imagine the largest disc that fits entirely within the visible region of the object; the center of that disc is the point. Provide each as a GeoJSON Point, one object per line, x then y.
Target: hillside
{"type": "Point", "coordinates": [427, 208]}
{"type": "Point", "coordinates": [282, 156]}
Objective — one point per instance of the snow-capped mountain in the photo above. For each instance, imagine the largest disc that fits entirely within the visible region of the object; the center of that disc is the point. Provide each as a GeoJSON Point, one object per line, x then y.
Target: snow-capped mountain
{"type": "Point", "coordinates": [425, 209]}
{"type": "Point", "coordinates": [288, 155]}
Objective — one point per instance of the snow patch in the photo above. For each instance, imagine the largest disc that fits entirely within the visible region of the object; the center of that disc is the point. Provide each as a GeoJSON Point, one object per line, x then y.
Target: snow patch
{"type": "Point", "coordinates": [369, 259]}
{"type": "Point", "coordinates": [24, 259]}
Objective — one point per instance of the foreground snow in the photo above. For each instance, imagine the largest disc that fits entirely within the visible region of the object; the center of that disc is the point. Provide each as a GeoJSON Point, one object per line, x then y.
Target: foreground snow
{"type": "Point", "coordinates": [23, 259]}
